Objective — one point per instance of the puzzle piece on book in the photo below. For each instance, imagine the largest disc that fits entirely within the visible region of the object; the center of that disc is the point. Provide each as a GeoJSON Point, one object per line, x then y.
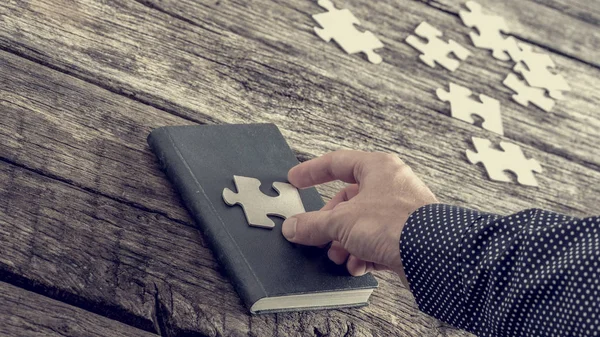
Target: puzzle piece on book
{"type": "Point", "coordinates": [535, 68]}
{"type": "Point", "coordinates": [257, 205]}
{"type": "Point", "coordinates": [526, 94]}
{"type": "Point", "coordinates": [338, 24]}
{"type": "Point", "coordinates": [462, 107]}
{"type": "Point", "coordinates": [497, 161]}
{"type": "Point", "coordinates": [436, 50]}
{"type": "Point", "coordinates": [490, 28]}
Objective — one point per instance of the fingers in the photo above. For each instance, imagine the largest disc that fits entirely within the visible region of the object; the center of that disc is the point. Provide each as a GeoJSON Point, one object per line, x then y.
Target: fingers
{"type": "Point", "coordinates": [337, 253]}
{"type": "Point", "coordinates": [311, 228]}
{"type": "Point", "coordinates": [339, 165]}
{"type": "Point", "coordinates": [345, 194]}
{"type": "Point", "coordinates": [356, 266]}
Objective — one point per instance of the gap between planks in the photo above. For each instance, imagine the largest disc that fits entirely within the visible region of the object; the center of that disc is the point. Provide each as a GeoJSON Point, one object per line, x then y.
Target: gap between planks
{"type": "Point", "coordinates": [24, 313]}
{"type": "Point", "coordinates": [100, 84]}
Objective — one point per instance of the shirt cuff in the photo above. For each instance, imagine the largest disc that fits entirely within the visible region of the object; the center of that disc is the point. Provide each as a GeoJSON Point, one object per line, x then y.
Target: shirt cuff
{"type": "Point", "coordinates": [430, 249]}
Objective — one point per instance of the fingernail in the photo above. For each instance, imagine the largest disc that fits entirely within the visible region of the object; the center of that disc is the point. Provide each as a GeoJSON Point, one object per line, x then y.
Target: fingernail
{"type": "Point", "coordinates": [289, 228]}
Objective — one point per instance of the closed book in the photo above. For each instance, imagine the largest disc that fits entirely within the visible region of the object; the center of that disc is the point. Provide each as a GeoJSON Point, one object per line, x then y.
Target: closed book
{"type": "Point", "coordinates": [269, 273]}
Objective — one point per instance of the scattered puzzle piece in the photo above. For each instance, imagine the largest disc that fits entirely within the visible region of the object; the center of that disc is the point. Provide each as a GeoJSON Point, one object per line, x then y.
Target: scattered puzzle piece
{"type": "Point", "coordinates": [339, 25]}
{"type": "Point", "coordinates": [257, 205]}
{"type": "Point", "coordinates": [526, 94]}
{"type": "Point", "coordinates": [436, 50]}
{"type": "Point", "coordinates": [497, 161]}
{"type": "Point", "coordinates": [463, 107]}
{"type": "Point", "coordinates": [490, 28]}
{"type": "Point", "coordinates": [512, 49]}
{"type": "Point", "coordinates": [535, 68]}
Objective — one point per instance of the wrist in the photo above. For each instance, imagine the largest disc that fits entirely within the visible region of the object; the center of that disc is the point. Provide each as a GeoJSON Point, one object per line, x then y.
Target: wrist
{"type": "Point", "coordinates": [399, 267]}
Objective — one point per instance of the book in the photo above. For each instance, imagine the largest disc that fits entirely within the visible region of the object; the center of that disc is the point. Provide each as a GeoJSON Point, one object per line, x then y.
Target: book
{"type": "Point", "coordinates": [269, 273]}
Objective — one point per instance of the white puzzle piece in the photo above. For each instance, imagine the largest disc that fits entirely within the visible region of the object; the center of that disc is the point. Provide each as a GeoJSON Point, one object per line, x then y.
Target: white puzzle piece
{"type": "Point", "coordinates": [257, 205]}
{"type": "Point", "coordinates": [490, 28]}
{"type": "Point", "coordinates": [462, 107]}
{"type": "Point", "coordinates": [338, 24]}
{"type": "Point", "coordinates": [497, 161]}
{"type": "Point", "coordinates": [535, 68]}
{"type": "Point", "coordinates": [512, 48]}
{"type": "Point", "coordinates": [526, 94]}
{"type": "Point", "coordinates": [436, 50]}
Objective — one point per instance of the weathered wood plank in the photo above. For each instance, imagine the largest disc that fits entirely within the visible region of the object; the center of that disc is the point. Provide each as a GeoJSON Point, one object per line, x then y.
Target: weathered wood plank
{"type": "Point", "coordinates": [567, 26]}
{"type": "Point", "coordinates": [267, 61]}
{"type": "Point", "coordinates": [55, 124]}
{"type": "Point", "coordinates": [24, 314]}
{"type": "Point", "coordinates": [85, 136]}
{"type": "Point", "coordinates": [140, 268]}
{"type": "Point", "coordinates": [96, 140]}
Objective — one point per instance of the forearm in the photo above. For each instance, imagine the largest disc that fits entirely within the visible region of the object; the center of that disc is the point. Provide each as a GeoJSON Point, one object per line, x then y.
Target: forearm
{"type": "Point", "coordinates": [502, 275]}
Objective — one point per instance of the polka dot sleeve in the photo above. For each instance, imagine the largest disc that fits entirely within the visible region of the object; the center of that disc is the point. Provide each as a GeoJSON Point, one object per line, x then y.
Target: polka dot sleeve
{"type": "Point", "coordinates": [533, 273]}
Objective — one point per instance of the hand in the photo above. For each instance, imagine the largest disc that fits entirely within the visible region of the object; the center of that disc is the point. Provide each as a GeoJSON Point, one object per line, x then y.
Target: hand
{"type": "Point", "coordinates": [364, 220]}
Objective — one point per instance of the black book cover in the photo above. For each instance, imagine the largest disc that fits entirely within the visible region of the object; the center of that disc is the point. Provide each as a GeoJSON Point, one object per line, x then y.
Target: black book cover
{"type": "Point", "coordinates": [201, 161]}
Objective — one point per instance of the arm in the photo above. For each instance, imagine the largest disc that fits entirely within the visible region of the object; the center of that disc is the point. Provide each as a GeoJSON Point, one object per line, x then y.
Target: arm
{"type": "Point", "coordinates": [533, 273]}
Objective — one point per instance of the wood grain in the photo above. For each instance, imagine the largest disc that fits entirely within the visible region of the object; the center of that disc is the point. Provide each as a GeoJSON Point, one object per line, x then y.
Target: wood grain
{"type": "Point", "coordinates": [319, 114]}
{"type": "Point", "coordinates": [200, 63]}
{"type": "Point", "coordinates": [96, 140]}
{"type": "Point", "coordinates": [128, 228]}
{"type": "Point", "coordinates": [87, 218]}
{"type": "Point", "coordinates": [569, 27]}
{"type": "Point", "coordinates": [144, 270]}
{"type": "Point", "coordinates": [27, 314]}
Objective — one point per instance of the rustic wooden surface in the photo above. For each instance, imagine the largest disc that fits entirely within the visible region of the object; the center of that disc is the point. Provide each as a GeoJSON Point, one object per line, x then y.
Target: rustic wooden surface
{"type": "Point", "coordinates": [92, 227]}
{"type": "Point", "coordinates": [22, 310]}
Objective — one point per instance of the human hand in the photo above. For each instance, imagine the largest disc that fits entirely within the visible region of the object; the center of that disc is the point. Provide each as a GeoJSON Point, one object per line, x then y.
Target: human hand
{"type": "Point", "coordinates": [365, 219]}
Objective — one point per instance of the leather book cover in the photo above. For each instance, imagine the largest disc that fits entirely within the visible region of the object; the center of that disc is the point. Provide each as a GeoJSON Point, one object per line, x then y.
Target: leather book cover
{"type": "Point", "coordinates": [201, 161]}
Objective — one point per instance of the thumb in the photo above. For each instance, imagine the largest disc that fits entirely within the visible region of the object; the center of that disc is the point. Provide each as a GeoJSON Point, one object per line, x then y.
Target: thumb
{"type": "Point", "coordinates": [311, 228]}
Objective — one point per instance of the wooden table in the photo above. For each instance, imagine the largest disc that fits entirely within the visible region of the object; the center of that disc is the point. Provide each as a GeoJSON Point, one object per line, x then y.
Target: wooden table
{"type": "Point", "coordinates": [93, 239]}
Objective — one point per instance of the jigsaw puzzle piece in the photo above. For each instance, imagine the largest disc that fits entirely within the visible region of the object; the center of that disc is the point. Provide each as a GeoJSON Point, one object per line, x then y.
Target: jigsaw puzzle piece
{"type": "Point", "coordinates": [328, 5]}
{"type": "Point", "coordinates": [463, 107]}
{"type": "Point", "coordinates": [288, 203]}
{"type": "Point", "coordinates": [335, 22]}
{"type": "Point", "coordinates": [535, 69]}
{"type": "Point", "coordinates": [526, 94]}
{"type": "Point", "coordinates": [513, 49]}
{"type": "Point", "coordinates": [525, 168]}
{"type": "Point", "coordinates": [339, 25]}
{"type": "Point", "coordinates": [252, 207]}
{"type": "Point", "coordinates": [257, 206]}
{"type": "Point", "coordinates": [364, 42]}
{"type": "Point", "coordinates": [436, 50]}
{"type": "Point", "coordinates": [554, 84]}
{"type": "Point", "coordinates": [510, 158]}
{"type": "Point", "coordinates": [490, 28]}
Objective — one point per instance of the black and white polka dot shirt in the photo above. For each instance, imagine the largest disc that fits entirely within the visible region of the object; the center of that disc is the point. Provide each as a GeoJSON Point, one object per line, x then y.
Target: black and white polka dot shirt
{"type": "Point", "coordinates": [533, 273]}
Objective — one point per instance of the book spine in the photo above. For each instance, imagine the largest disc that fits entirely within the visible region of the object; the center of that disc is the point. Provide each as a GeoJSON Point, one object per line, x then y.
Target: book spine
{"type": "Point", "coordinates": [224, 247]}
